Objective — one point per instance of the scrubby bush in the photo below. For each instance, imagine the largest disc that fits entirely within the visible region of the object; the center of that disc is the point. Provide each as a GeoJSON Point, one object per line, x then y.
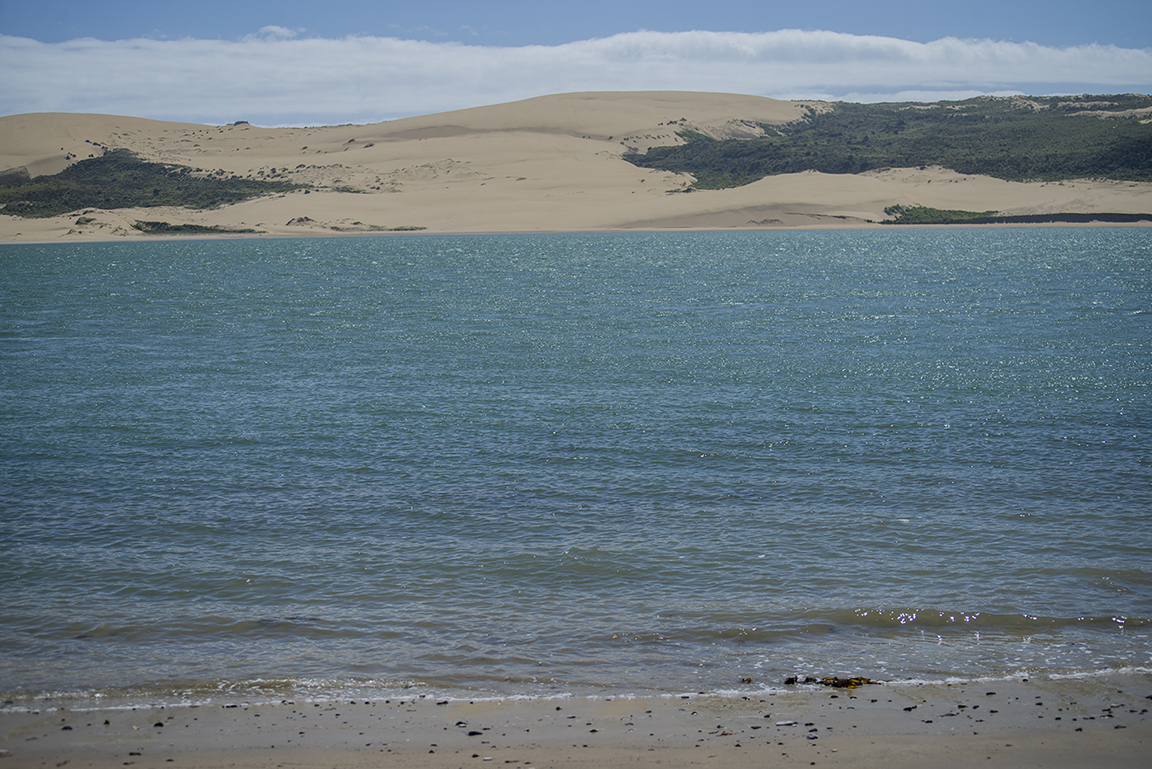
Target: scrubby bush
{"type": "Point", "coordinates": [120, 179]}
{"type": "Point", "coordinates": [1017, 139]}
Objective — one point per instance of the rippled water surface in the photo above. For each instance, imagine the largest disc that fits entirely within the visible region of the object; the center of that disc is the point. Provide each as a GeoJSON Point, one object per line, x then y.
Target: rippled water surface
{"type": "Point", "coordinates": [527, 464]}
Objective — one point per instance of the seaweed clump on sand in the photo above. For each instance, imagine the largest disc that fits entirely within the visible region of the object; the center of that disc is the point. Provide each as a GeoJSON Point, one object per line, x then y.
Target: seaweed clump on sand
{"type": "Point", "coordinates": [834, 681]}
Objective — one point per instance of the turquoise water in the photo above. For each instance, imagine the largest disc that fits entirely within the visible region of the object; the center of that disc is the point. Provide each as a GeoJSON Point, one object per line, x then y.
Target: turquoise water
{"type": "Point", "coordinates": [559, 463]}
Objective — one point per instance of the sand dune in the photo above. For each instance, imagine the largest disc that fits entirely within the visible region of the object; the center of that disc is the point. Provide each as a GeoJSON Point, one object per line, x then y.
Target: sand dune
{"type": "Point", "coordinates": [549, 163]}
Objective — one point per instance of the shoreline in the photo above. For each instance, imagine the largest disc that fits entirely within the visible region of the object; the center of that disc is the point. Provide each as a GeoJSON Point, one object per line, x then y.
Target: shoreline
{"type": "Point", "coordinates": [152, 238]}
{"type": "Point", "coordinates": [1099, 720]}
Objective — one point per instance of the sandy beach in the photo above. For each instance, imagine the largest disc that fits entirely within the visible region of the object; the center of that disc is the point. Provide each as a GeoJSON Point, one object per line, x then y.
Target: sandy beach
{"type": "Point", "coordinates": [1098, 721]}
{"type": "Point", "coordinates": [551, 163]}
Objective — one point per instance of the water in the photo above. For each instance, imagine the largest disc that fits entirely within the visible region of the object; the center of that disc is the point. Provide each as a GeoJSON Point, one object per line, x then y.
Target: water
{"type": "Point", "coordinates": [524, 465]}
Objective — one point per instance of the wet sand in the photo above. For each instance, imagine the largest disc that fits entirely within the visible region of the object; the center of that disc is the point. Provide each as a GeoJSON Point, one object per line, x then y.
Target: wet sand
{"type": "Point", "coordinates": [1100, 721]}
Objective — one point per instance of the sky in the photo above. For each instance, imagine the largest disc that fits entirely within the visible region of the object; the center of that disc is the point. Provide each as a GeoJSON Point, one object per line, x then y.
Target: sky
{"type": "Point", "coordinates": [292, 62]}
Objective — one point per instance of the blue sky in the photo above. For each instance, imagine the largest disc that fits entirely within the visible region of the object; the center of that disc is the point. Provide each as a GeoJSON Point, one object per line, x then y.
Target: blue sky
{"type": "Point", "coordinates": [1127, 23]}
{"type": "Point", "coordinates": [292, 63]}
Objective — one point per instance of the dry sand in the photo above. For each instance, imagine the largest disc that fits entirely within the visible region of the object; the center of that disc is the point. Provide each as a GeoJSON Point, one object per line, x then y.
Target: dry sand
{"type": "Point", "coordinates": [547, 164]}
{"type": "Point", "coordinates": [1085, 722]}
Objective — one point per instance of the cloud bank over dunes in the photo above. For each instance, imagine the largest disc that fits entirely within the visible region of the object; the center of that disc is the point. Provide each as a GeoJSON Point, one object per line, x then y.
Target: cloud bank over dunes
{"type": "Point", "coordinates": [280, 78]}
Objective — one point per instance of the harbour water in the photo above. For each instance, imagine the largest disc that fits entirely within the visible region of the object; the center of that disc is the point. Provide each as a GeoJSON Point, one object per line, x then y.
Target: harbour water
{"type": "Point", "coordinates": [565, 463]}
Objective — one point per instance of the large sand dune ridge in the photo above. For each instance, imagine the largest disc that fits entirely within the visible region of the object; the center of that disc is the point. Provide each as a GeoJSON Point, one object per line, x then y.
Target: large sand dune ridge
{"type": "Point", "coordinates": [544, 164]}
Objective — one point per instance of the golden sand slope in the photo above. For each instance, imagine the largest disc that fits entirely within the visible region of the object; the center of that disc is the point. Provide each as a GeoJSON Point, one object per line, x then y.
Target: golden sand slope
{"type": "Point", "coordinates": [550, 163]}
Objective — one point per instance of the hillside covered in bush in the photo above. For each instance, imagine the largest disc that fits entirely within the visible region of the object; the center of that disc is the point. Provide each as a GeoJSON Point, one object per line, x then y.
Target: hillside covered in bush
{"type": "Point", "coordinates": [1011, 138]}
{"type": "Point", "coordinates": [120, 179]}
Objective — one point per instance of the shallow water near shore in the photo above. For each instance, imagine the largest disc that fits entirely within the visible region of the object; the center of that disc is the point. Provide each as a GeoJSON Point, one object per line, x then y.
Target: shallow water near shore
{"type": "Point", "coordinates": [542, 464]}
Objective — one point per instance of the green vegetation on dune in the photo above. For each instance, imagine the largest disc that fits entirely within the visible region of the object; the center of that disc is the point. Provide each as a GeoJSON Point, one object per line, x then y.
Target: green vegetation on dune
{"type": "Point", "coordinates": [164, 228]}
{"type": "Point", "coordinates": [926, 215]}
{"type": "Point", "coordinates": [120, 179]}
{"type": "Point", "coordinates": [1012, 138]}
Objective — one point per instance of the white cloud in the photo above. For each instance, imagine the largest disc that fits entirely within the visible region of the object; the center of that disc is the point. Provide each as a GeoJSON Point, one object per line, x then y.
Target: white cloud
{"type": "Point", "coordinates": [278, 78]}
{"type": "Point", "coordinates": [280, 33]}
